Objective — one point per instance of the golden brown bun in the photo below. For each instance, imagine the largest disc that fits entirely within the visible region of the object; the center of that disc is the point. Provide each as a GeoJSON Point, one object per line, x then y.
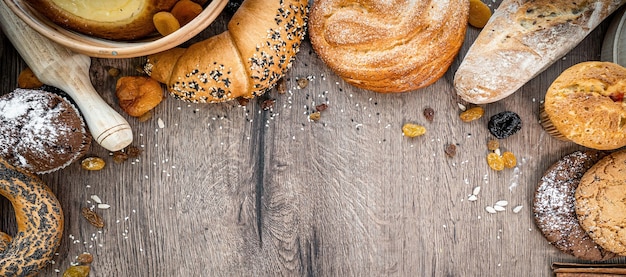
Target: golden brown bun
{"type": "Point", "coordinates": [585, 104]}
{"type": "Point", "coordinates": [521, 40]}
{"type": "Point", "coordinates": [262, 40]}
{"type": "Point", "coordinates": [388, 46]}
{"type": "Point", "coordinates": [96, 17]}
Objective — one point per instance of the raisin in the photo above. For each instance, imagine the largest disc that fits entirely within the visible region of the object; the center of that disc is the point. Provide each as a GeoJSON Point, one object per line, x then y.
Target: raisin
{"type": "Point", "coordinates": [281, 87]}
{"type": "Point", "coordinates": [429, 114]}
{"type": "Point", "coordinates": [321, 107]}
{"type": "Point", "coordinates": [413, 130]}
{"type": "Point", "coordinates": [479, 13]}
{"type": "Point", "coordinates": [495, 161]}
{"type": "Point", "coordinates": [509, 159]}
{"type": "Point", "coordinates": [504, 124]}
{"type": "Point", "coordinates": [472, 114]}
{"type": "Point", "coordinates": [243, 101]}
{"type": "Point", "coordinates": [77, 271]}
{"type": "Point", "coordinates": [84, 258]}
{"type": "Point", "coordinates": [92, 217]}
{"type": "Point", "coordinates": [93, 163]}
{"type": "Point", "coordinates": [268, 104]}
{"type": "Point", "coordinates": [493, 144]}
{"type": "Point", "coordinates": [450, 150]}
{"type": "Point", "coordinates": [302, 83]}
{"type": "Point", "coordinates": [315, 116]}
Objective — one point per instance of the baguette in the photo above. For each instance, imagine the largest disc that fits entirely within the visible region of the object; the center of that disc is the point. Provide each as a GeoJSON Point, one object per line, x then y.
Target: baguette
{"type": "Point", "coordinates": [521, 40]}
{"type": "Point", "coordinates": [249, 58]}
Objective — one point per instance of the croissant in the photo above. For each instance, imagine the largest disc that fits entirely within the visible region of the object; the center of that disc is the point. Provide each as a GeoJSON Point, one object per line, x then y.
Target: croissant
{"type": "Point", "coordinates": [261, 42]}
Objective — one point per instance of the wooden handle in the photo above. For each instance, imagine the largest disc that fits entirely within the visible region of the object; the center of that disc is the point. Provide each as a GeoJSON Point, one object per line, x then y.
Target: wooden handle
{"type": "Point", "coordinates": [59, 67]}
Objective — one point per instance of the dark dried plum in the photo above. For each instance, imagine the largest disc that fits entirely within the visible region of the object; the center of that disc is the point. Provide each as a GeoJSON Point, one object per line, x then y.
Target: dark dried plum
{"type": "Point", "coordinates": [504, 124]}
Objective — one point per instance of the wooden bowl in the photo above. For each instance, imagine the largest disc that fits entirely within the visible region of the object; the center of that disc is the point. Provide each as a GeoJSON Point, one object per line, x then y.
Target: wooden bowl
{"type": "Point", "coordinates": [102, 48]}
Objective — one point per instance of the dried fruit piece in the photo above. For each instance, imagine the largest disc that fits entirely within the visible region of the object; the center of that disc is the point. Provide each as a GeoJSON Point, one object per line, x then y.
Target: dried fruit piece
{"type": "Point", "coordinates": [472, 114]}
{"type": "Point", "coordinates": [113, 72]}
{"type": "Point", "coordinates": [77, 271]}
{"type": "Point", "coordinates": [165, 23]}
{"type": "Point", "coordinates": [315, 116]}
{"type": "Point", "coordinates": [185, 11]}
{"type": "Point", "coordinates": [413, 130]}
{"type": "Point", "coordinates": [495, 161]}
{"type": "Point", "coordinates": [303, 82]}
{"type": "Point", "coordinates": [479, 13]}
{"type": "Point", "coordinates": [138, 94]}
{"type": "Point", "coordinates": [450, 150]}
{"type": "Point", "coordinates": [84, 259]}
{"type": "Point", "coordinates": [281, 86]}
{"type": "Point", "coordinates": [92, 217]}
{"type": "Point", "coordinates": [429, 114]}
{"type": "Point", "coordinates": [321, 107]}
{"type": "Point", "coordinates": [268, 104]}
{"type": "Point", "coordinates": [509, 159]}
{"type": "Point", "coordinates": [504, 124]}
{"type": "Point", "coordinates": [28, 80]}
{"type": "Point", "coordinates": [493, 144]}
{"type": "Point", "coordinates": [93, 163]}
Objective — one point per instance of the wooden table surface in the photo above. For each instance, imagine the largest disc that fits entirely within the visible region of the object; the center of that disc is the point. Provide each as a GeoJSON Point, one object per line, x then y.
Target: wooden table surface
{"type": "Point", "coordinates": [226, 190]}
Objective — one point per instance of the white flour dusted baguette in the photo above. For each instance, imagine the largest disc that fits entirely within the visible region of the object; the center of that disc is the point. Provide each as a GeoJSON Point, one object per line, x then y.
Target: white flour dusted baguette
{"type": "Point", "coordinates": [521, 40]}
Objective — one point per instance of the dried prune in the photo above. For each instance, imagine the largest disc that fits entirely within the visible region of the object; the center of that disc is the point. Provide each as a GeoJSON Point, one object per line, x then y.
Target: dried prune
{"type": "Point", "coordinates": [504, 124]}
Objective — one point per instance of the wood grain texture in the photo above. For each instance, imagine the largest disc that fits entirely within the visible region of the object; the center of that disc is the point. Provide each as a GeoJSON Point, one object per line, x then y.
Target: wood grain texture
{"type": "Point", "coordinates": [225, 190]}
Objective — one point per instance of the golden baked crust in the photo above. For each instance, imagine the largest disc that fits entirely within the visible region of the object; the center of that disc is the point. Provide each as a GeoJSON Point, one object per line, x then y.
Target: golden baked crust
{"type": "Point", "coordinates": [586, 105]}
{"type": "Point", "coordinates": [137, 24]}
{"type": "Point", "coordinates": [521, 40]}
{"type": "Point", "coordinates": [262, 40]}
{"type": "Point", "coordinates": [388, 46]}
{"type": "Point", "coordinates": [600, 202]}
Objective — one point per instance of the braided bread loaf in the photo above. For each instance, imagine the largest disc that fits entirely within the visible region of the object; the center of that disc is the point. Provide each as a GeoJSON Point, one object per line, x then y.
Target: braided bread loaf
{"type": "Point", "coordinates": [262, 40]}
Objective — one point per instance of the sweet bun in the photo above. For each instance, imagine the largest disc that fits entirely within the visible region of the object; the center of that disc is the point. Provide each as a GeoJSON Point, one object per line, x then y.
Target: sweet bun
{"type": "Point", "coordinates": [112, 19]}
{"type": "Point", "coordinates": [388, 46]}
{"type": "Point", "coordinates": [41, 131]}
{"type": "Point", "coordinates": [585, 104]}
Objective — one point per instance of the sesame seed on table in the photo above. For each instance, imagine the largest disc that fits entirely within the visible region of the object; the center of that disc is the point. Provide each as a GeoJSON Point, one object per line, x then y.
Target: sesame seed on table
{"type": "Point", "coordinates": [267, 189]}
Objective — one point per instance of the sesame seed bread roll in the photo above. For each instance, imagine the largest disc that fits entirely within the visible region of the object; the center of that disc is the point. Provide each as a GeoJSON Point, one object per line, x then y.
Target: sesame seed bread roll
{"type": "Point", "coordinates": [388, 46]}
{"type": "Point", "coordinates": [262, 41]}
{"type": "Point", "coordinates": [521, 40]}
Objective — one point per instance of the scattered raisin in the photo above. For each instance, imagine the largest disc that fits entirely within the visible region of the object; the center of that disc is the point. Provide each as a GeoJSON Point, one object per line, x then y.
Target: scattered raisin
{"type": "Point", "coordinates": [495, 161]}
{"type": "Point", "coordinates": [493, 144]}
{"type": "Point", "coordinates": [281, 87]}
{"type": "Point", "coordinates": [133, 152]}
{"type": "Point", "coordinates": [479, 14]}
{"type": "Point", "coordinates": [92, 217]}
{"type": "Point", "coordinates": [268, 104]}
{"type": "Point", "coordinates": [472, 114]}
{"type": "Point", "coordinates": [509, 159]}
{"type": "Point", "coordinates": [429, 114]}
{"type": "Point", "coordinates": [504, 124]}
{"type": "Point", "coordinates": [113, 72]}
{"type": "Point", "coordinates": [413, 130]}
{"type": "Point", "coordinates": [315, 116]}
{"type": "Point", "coordinates": [243, 101]}
{"type": "Point", "coordinates": [77, 271]}
{"type": "Point", "coordinates": [303, 83]}
{"type": "Point", "coordinates": [84, 259]}
{"type": "Point", "coordinates": [321, 107]}
{"type": "Point", "coordinates": [92, 163]}
{"type": "Point", "coordinates": [450, 150]}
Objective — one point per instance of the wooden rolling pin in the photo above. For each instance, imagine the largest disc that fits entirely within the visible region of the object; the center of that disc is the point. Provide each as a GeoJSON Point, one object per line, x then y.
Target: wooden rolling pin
{"type": "Point", "coordinates": [57, 66]}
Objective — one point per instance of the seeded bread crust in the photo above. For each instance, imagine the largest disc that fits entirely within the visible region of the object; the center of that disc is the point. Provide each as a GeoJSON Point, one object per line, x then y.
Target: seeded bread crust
{"type": "Point", "coordinates": [39, 219]}
{"type": "Point", "coordinates": [260, 45]}
{"type": "Point", "coordinates": [521, 40]}
{"type": "Point", "coordinates": [554, 208]}
{"type": "Point", "coordinates": [388, 46]}
{"type": "Point", "coordinates": [585, 104]}
{"type": "Point", "coordinates": [600, 203]}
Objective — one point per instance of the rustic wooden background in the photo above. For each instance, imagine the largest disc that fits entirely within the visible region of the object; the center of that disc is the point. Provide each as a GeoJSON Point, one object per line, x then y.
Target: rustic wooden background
{"type": "Point", "coordinates": [225, 190]}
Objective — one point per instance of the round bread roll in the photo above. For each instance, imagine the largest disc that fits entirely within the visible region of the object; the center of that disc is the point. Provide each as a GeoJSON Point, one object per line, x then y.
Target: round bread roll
{"type": "Point", "coordinates": [585, 104]}
{"type": "Point", "coordinates": [39, 219]}
{"type": "Point", "coordinates": [111, 19]}
{"type": "Point", "coordinates": [388, 46]}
